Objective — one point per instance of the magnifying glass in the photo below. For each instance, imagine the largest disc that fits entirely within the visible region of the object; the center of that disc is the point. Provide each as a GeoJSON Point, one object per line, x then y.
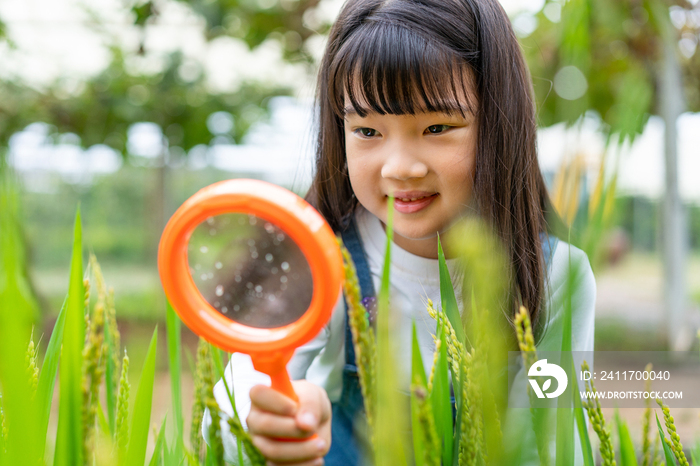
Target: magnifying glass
{"type": "Point", "coordinates": [252, 268]}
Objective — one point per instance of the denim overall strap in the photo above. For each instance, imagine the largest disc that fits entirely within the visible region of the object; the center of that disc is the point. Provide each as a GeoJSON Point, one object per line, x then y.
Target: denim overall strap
{"type": "Point", "coordinates": [353, 243]}
{"type": "Point", "coordinates": [549, 246]}
{"type": "Point", "coordinates": [345, 445]}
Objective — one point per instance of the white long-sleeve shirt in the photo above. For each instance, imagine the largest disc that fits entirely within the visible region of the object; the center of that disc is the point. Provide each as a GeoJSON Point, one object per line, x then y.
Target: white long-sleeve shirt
{"type": "Point", "coordinates": [414, 280]}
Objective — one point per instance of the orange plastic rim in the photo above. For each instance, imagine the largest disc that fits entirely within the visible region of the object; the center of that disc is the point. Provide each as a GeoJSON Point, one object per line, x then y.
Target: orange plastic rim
{"type": "Point", "coordinates": [300, 221]}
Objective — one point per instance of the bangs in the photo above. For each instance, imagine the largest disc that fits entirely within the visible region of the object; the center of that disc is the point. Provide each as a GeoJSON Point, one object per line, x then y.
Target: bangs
{"type": "Point", "coordinates": [388, 69]}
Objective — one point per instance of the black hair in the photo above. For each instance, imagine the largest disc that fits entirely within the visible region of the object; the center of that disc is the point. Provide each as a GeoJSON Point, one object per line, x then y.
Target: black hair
{"type": "Point", "coordinates": [408, 56]}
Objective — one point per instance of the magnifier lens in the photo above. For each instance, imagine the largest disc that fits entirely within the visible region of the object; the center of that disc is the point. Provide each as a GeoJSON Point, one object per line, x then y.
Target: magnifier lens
{"type": "Point", "coordinates": [249, 270]}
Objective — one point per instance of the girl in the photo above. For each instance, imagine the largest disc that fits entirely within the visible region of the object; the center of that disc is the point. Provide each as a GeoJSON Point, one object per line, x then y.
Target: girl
{"type": "Point", "coordinates": [429, 101]}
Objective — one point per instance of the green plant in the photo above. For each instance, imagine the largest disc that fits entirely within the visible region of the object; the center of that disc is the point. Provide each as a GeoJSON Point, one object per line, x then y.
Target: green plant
{"type": "Point", "coordinates": [474, 441]}
{"type": "Point", "coordinates": [362, 339]}
{"type": "Point", "coordinates": [85, 341]}
{"type": "Point", "coordinates": [91, 362]}
{"type": "Point", "coordinates": [675, 441]}
{"type": "Point", "coordinates": [526, 343]}
{"type": "Point", "coordinates": [595, 414]}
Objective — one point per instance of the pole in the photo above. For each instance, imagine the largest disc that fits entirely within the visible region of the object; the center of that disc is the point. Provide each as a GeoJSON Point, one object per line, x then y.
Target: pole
{"type": "Point", "coordinates": [674, 235]}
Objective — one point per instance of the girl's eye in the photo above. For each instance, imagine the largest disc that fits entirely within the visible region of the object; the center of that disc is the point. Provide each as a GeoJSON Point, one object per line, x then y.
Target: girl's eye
{"type": "Point", "coordinates": [367, 132]}
{"type": "Point", "coordinates": [437, 129]}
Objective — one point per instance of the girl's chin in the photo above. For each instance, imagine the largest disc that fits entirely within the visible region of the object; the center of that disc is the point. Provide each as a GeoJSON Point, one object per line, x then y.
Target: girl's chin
{"type": "Point", "coordinates": [411, 234]}
{"type": "Point", "coordinates": [415, 236]}
{"type": "Point", "coordinates": [424, 246]}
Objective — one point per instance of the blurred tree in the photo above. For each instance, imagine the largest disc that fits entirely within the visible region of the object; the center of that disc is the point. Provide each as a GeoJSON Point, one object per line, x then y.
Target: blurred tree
{"type": "Point", "coordinates": [109, 102]}
{"type": "Point", "coordinates": [105, 106]}
{"type": "Point", "coordinates": [621, 59]}
{"type": "Point", "coordinates": [291, 22]}
{"type": "Point", "coordinates": [607, 57]}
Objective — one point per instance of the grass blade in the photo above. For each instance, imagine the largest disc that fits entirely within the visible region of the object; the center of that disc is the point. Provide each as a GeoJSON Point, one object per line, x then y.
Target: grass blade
{"type": "Point", "coordinates": [419, 379]}
{"type": "Point", "coordinates": [191, 459]}
{"type": "Point", "coordinates": [440, 400]}
{"type": "Point", "coordinates": [565, 414]}
{"type": "Point", "coordinates": [231, 397]}
{"type": "Point", "coordinates": [218, 360]}
{"type": "Point", "coordinates": [447, 295]}
{"type": "Point", "coordinates": [102, 421]}
{"type": "Point", "coordinates": [668, 454]}
{"type": "Point", "coordinates": [417, 368]}
{"type": "Point", "coordinates": [158, 456]}
{"type": "Point", "coordinates": [451, 310]}
{"type": "Point", "coordinates": [459, 407]}
{"type": "Point", "coordinates": [627, 454]}
{"type": "Point", "coordinates": [586, 447]}
{"type": "Point", "coordinates": [136, 453]}
{"type": "Point", "coordinates": [565, 422]}
{"type": "Point", "coordinates": [47, 377]}
{"type": "Point", "coordinates": [69, 443]}
{"type": "Point", "coordinates": [173, 327]}
{"type": "Point", "coordinates": [16, 313]}
{"type": "Point", "coordinates": [391, 426]}
{"type": "Point", "coordinates": [219, 368]}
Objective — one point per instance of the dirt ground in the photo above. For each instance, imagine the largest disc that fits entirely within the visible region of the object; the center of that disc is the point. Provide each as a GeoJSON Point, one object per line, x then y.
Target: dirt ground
{"type": "Point", "coordinates": [632, 291]}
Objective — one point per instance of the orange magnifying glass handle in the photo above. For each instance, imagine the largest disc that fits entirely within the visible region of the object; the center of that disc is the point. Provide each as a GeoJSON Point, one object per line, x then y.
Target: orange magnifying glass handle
{"type": "Point", "coordinates": [281, 382]}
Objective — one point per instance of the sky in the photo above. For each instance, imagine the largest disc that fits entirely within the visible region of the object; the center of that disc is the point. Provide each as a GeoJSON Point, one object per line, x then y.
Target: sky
{"type": "Point", "coordinates": [58, 39]}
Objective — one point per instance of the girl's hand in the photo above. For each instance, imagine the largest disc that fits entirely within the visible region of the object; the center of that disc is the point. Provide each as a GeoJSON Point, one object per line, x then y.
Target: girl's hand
{"type": "Point", "coordinates": [274, 416]}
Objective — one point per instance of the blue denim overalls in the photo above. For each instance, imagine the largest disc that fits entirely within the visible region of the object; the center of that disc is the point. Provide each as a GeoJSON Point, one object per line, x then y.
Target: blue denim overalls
{"type": "Point", "coordinates": [346, 449]}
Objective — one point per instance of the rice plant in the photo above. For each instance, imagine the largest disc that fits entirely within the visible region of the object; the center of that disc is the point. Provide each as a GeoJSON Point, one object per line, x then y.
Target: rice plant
{"type": "Point", "coordinates": [474, 443]}
{"type": "Point", "coordinates": [98, 424]}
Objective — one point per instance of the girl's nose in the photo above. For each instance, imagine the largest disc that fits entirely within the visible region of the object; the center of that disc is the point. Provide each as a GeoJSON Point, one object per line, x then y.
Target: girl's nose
{"type": "Point", "coordinates": [402, 165]}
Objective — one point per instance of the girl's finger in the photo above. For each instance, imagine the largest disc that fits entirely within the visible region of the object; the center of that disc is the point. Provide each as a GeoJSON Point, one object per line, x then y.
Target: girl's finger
{"type": "Point", "coordinates": [272, 401]}
{"type": "Point", "coordinates": [291, 452]}
{"type": "Point", "coordinates": [314, 405]}
{"type": "Point", "coordinates": [272, 425]}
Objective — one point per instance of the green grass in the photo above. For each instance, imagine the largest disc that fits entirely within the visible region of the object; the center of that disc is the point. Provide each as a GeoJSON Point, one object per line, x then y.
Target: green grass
{"type": "Point", "coordinates": [69, 444]}
{"type": "Point", "coordinates": [89, 430]}
{"type": "Point", "coordinates": [86, 343]}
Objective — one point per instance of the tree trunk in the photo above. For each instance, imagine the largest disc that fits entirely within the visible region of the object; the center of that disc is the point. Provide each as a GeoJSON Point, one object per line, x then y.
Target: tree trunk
{"type": "Point", "coordinates": [674, 234]}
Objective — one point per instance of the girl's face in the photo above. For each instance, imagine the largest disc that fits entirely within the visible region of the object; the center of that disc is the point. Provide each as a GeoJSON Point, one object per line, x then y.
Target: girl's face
{"type": "Point", "coordinates": [426, 161]}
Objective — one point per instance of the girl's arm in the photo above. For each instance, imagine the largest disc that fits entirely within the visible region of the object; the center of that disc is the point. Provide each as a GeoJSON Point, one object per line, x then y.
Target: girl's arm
{"type": "Point", "coordinates": [571, 278]}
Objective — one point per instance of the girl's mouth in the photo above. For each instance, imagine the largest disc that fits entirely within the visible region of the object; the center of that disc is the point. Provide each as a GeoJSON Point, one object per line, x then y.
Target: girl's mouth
{"type": "Point", "coordinates": [409, 205]}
